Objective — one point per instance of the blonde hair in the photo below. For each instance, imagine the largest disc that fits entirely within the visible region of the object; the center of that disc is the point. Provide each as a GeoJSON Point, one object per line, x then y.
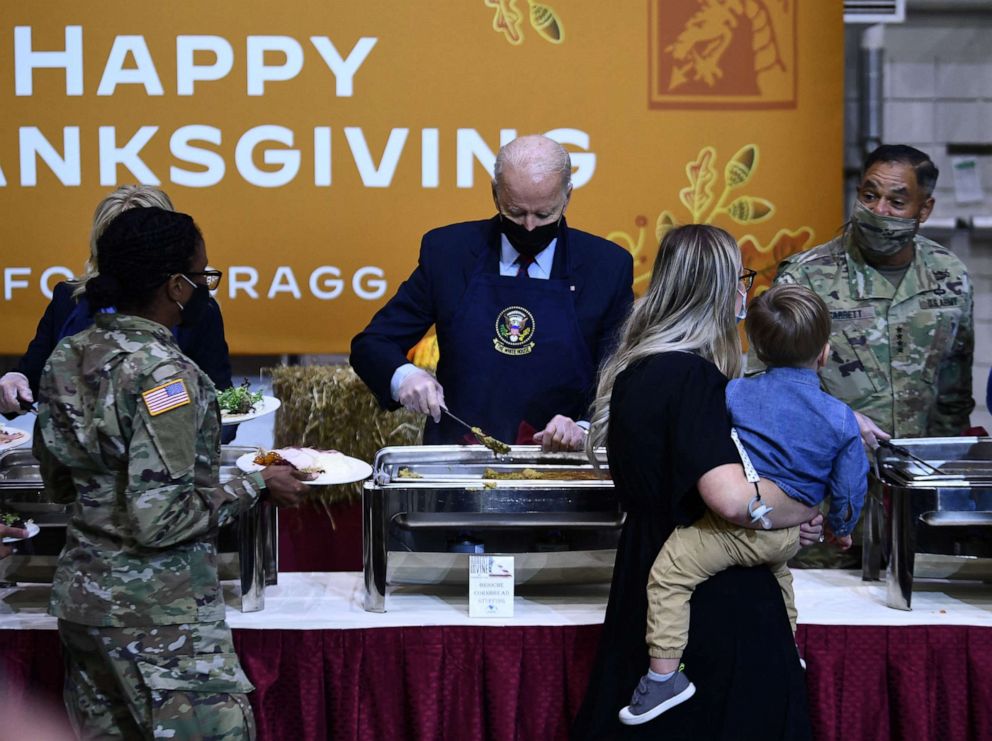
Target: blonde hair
{"type": "Point", "coordinates": [689, 307]}
{"type": "Point", "coordinates": [122, 199]}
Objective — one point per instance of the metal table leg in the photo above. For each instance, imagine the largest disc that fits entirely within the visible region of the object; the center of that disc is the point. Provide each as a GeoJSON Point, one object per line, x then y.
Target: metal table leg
{"type": "Point", "coordinates": [875, 550]}
{"type": "Point", "coordinates": [902, 551]}
{"type": "Point", "coordinates": [374, 550]}
{"type": "Point", "coordinates": [251, 555]}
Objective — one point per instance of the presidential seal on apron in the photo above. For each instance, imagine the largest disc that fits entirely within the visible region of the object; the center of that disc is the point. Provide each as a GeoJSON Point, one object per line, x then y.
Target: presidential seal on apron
{"type": "Point", "coordinates": [515, 329]}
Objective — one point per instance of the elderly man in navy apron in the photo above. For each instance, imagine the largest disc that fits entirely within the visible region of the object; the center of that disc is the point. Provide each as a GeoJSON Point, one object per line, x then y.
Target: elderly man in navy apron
{"type": "Point", "coordinates": [526, 309]}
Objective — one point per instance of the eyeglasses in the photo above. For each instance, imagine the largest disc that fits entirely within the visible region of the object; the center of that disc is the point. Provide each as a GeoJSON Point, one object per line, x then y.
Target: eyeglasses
{"type": "Point", "coordinates": [212, 277]}
{"type": "Point", "coordinates": [747, 278]}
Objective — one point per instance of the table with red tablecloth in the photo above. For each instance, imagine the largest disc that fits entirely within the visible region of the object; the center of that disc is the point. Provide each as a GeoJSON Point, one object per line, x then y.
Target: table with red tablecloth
{"type": "Point", "coordinates": [324, 668]}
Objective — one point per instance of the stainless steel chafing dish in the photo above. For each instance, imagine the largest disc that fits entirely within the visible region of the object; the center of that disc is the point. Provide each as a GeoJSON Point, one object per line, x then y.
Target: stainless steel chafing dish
{"type": "Point", "coordinates": [247, 549]}
{"type": "Point", "coordinates": [425, 508]}
{"type": "Point", "coordinates": [930, 514]}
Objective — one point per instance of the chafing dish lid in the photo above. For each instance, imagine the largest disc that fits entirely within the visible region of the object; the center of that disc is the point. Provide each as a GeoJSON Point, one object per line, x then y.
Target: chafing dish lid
{"type": "Point", "coordinates": [964, 462]}
{"type": "Point", "coordinates": [467, 466]}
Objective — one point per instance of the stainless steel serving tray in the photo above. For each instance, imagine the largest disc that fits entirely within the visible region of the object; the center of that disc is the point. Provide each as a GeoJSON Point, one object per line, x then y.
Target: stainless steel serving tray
{"type": "Point", "coordinates": [562, 527]}
{"type": "Point", "coordinates": [464, 467]}
{"type": "Point", "coordinates": [20, 470]}
{"type": "Point", "coordinates": [248, 549]}
{"type": "Point", "coordinates": [960, 462]}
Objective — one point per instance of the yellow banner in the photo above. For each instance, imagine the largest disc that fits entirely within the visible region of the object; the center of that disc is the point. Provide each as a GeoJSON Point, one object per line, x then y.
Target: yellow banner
{"type": "Point", "coordinates": [315, 142]}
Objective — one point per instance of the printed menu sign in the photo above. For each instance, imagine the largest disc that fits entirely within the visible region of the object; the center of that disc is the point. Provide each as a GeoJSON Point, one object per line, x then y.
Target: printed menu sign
{"type": "Point", "coordinates": [490, 586]}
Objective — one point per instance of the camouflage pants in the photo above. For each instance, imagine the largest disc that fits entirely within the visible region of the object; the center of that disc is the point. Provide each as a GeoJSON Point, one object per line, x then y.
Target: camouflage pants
{"type": "Point", "coordinates": [168, 681]}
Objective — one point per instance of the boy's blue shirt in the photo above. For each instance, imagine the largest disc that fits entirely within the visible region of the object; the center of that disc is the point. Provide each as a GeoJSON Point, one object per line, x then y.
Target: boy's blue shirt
{"type": "Point", "coordinates": [803, 439]}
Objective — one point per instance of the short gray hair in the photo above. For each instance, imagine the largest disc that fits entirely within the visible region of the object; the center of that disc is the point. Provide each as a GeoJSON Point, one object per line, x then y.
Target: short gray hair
{"type": "Point", "coordinates": [538, 155]}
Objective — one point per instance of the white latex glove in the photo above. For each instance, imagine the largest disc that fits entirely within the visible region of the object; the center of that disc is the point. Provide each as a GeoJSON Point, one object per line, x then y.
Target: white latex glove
{"type": "Point", "coordinates": [420, 392]}
{"type": "Point", "coordinates": [870, 432]}
{"type": "Point", "coordinates": [13, 388]}
{"type": "Point", "coordinates": [561, 433]}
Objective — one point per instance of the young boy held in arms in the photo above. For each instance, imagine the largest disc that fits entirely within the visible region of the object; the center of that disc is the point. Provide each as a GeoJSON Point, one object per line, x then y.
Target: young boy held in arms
{"type": "Point", "coordinates": [796, 435]}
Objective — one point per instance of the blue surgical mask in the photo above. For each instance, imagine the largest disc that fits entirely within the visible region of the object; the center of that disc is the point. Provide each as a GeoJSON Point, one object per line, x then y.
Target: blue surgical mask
{"type": "Point", "coordinates": [742, 313]}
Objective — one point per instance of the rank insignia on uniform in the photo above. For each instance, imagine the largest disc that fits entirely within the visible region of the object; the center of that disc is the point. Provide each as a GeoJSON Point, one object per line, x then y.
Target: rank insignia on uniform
{"type": "Point", "coordinates": [168, 396]}
{"type": "Point", "coordinates": [514, 331]}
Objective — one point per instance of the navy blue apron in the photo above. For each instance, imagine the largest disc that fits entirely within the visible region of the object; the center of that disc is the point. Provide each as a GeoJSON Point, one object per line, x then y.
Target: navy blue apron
{"type": "Point", "coordinates": [512, 353]}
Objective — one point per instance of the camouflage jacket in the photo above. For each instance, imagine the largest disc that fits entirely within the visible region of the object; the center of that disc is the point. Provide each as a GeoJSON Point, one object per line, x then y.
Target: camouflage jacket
{"type": "Point", "coordinates": [899, 355]}
{"type": "Point", "coordinates": [128, 431]}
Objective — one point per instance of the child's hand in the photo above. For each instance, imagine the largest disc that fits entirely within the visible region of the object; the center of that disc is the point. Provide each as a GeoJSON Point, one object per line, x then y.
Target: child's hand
{"type": "Point", "coordinates": [844, 542]}
{"type": "Point", "coordinates": [841, 541]}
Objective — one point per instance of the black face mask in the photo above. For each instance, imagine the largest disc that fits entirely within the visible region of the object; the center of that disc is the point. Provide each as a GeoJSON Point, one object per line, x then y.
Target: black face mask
{"type": "Point", "coordinates": [193, 310]}
{"type": "Point", "coordinates": [529, 243]}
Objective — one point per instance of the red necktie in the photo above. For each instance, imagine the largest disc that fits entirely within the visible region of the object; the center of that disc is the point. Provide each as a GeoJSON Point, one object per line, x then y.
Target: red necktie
{"type": "Point", "coordinates": [524, 262]}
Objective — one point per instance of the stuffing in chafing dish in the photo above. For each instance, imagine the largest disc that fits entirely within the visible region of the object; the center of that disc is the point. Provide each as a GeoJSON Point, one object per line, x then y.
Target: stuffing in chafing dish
{"type": "Point", "coordinates": [497, 446]}
{"type": "Point", "coordinates": [525, 474]}
{"type": "Point", "coordinates": [407, 473]}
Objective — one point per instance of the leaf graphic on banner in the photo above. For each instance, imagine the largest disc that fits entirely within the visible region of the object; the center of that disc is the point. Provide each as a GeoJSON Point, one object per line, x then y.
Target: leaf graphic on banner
{"type": "Point", "coordinates": [750, 210]}
{"type": "Point", "coordinates": [740, 166]}
{"type": "Point", "coordinates": [765, 258]}
{"type": "Point", "coordinates": [507, 20]}
{"type": "Point", "coordinates": [705, 209]}
{"type": "Point", "coordinates": [698, 196]}
{"type": "Point", "coordinates": [665, 222]}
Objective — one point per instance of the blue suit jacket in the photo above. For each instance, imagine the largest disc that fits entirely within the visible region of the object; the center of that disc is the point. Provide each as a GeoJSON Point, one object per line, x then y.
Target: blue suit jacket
{"type": "Point", "coordinates": [601, 271]}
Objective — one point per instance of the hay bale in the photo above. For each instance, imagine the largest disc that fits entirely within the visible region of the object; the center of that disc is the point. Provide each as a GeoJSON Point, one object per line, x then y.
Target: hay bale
{"type": "Point", "coordinates": [330, 407]}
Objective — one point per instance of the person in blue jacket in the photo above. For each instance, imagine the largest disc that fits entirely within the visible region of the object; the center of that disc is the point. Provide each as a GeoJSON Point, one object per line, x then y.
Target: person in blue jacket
{"type": "Point", "coordinates": [68, 313]}
{"type": "Point", "coordinates": [526, 308]}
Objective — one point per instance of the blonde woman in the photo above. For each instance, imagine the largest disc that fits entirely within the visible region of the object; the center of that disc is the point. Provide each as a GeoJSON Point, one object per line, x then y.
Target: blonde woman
{"type": "Point", "coordinates": [68, 313]}
{"type": "Point", "coordinates": [660, 411]}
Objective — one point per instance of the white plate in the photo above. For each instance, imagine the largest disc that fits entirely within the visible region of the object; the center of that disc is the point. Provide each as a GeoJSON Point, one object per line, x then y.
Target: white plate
{"type": "Point", "coordinates": [346, 469]}
{"type": "Point", "coordinates": [24, 438]}
{"type": "Point", "coordinates": [267, 405]}
{"type": "Point", "coordinates": [32, 531]}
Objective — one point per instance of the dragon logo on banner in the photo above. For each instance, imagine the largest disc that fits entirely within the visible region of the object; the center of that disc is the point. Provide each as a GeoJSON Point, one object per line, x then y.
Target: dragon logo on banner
{"type": "Point", "coordinates": [722, 54]}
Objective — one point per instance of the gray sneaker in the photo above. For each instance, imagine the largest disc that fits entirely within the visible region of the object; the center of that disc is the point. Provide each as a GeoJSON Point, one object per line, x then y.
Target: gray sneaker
{"type": "Point", "coordinates": [651, 698]}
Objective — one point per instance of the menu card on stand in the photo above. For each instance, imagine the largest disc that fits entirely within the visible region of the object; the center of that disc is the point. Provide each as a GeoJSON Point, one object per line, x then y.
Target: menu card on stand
{"type": "Point", "coordinates": [490, 586]}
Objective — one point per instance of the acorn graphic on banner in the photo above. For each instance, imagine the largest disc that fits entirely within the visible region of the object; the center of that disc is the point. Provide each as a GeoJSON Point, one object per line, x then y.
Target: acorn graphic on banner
{"type": "Point", "coordinates": [545, 22]}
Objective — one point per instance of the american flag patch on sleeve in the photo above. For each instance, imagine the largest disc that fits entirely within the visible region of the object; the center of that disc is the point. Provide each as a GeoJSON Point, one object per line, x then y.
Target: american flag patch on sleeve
{"type": "Point", "coordinates": [165, 397]}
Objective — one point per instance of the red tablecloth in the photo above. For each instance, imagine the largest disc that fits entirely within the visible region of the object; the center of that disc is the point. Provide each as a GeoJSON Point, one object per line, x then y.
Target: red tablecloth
{"type": "Point", "coordinates": [900, 683]}
{"type": "Point", "coordinates": [315, 538]}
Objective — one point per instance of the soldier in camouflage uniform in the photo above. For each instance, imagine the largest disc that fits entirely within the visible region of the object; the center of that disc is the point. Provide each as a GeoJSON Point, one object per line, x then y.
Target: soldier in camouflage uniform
{"type": "Point", "coordinates": [903, 335]}
{"type": "Point", "coordinates": [128, 432]}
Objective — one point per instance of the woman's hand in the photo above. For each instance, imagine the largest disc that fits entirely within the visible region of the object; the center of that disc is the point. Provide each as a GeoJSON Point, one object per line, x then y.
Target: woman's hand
{"type": "Point", "coordinates": [285, 490]}
{"type": "Point", "coordinates": [811, 533]}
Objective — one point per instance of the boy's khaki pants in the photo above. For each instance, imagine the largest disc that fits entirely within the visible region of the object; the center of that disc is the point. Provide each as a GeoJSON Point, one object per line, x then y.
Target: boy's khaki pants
{"type": "Point", "coordinates": [693, 554]}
